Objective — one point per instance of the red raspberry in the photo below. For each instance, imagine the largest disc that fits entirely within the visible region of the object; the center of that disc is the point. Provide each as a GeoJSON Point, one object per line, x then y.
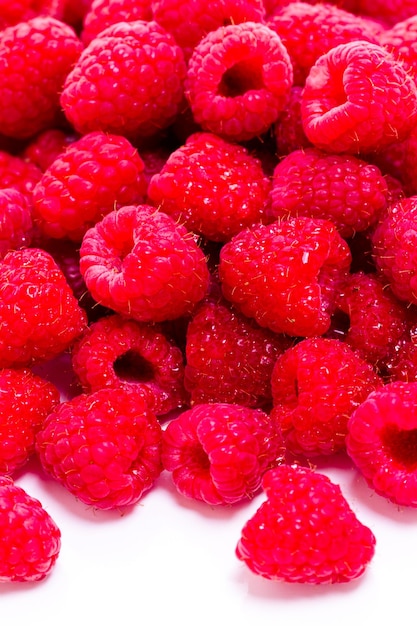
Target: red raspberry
{"type": "Point", "coordinates": [39, 316]}
{"type": "Point", "coordinates": [138, 262]}
{"type": "Point", "coordinates": [218, 452]}
{"type": "Point", "coordinates": [30, 541]}
{"type": "Point", "coordinates": [394, 248]}
{"type": "Point", "coordinates": [288, 129]}
{"type": "Point", "coordinates": [382, 441]}
{"type": "Point", "coordinates": [104, 13]}
{"type": "Point", "coordinates": [402, 361]}
{"type": "Point", "coordinates": [346, 190]}
{"type": "Point", "coordinates": [239, 80]}
{"type": "Point", "coordinates": [15, 11]}
{"type": "Point", "coordinates": [286, 275]}
{"type": "Point", "coordinates": [25, 401]}
{"type": "Point", "coordinates": [16, 226]}
{"type": "Point", "coordinates": [401, 41]}
{"type": "Point", "coordinates": [316, 386]}
{"type": "Point", "coordinates": [35, 57]}
{"type": "Point", "coordinates": [18, 174]}
{"type": "Point", "coordinates": [305, 531]}
{"type": "Point", "coordinates": [116, 352]}
{"type": "Point", "coordinates": [308, 32]}
{"type": "Point", "coordinates": [357, 97]}
{"type": "Point", "coordinates": [103, 447]}
{"type": "Point", "coordinates": [192, 20]}
{"type": "Point", "coordinates": [216, 188]}
{"type": "Point", "coordinates": [389, 12]}
{"type": "Point", "coordinates": [127, 81]}
{"type": "Point", "coordinates": [47, 146]}
{"type": "Point", "coordinates": [95, 175]}
{"type": "Point", "coordinates": [229, 358]}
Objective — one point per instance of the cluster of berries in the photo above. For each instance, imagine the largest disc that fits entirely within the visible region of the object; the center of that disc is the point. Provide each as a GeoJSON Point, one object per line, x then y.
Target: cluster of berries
{"type": "Point", "coordinates": [212, 211]}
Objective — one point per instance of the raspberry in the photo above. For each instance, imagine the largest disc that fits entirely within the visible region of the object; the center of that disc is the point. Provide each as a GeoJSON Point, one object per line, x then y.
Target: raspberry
{"type": "Point", "coordinates": [47, 146]}
{"type": "Point", "coordinates": [305, 531]}
{"type": "Point", "coordinates": [382, 441]}
{"type": "Point", "coordinates": [192, 20]}
{"type": "Point", "coordinates": [357, 98]}
{"type": "Point", "coordinates": [389, 12]}
{"type": "Point", "coordinates": [288, 129]}
{"type": "Point", "coordinates": [402, 361]}
{"type": "Point", "coordinates": [116, 352]}
{"type": "Point", "coordinates": [394, 248]}
{"type": "Point", "coordinates": [238, 81]}
{"type": "Point", "coordinates": [39, 316]}
{"type": "Point", "coordinates": [127, 81]}
{"type": "Point", "coordinates": [95, 175]}
{"type": "Point", "coordinates": [138, 262]}
{"type": "Point", "coordinates": [103, 447]}
{"type": "Point", "coordinates": [216, 188]}
{"type": "Point", "coordinates": [316, 386]}
{"type": "Point", "coordinates": [104, 13]}
{"type": "Point", "coordinates": [12, 13]}
{"type": "Point", "coordinates": [18, 174]}
{"type": "Point", "coordinates": [218, 452]}
{"type": "Point", "coordinates": [308, 32]}
{"type": "Point", "coordinates": [346, 190]}
{"type": "Point", "coordinates": [400, 40]}
{"type": "Point", "coordinates": [30, 541]}
{"type": "Point", "coordinates": [35, 57]}
{"type": "Point", "coordinates": [286, 275]}
{"type": "Point", "coordinates": [16, 226]}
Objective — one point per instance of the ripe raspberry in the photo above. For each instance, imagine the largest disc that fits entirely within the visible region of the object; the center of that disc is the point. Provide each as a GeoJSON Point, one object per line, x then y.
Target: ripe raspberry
{"type": "Point", "coordinates": [30, 541]}
{"type": "Point", "coordinates": [357, 97]}
{"type": "Point", "coordinates": [35, 57]}
{"type": "Point", "coordinates": [229, 358]}
{"type": "Point", "coordinates": [346, 190]}
{"type": "Point", "coordinates": [16, 11]}
{"type": "Point", "coordinates": [309, 31]}
{"type": "Point", "coordinates": [402, 361]}
{"type": "Point", "coordinates": [39, 316]}
{"type": "Point", "coordinates": [25, 401]}
{"type": "Point", "coordinates": [16, 226]}
{"type": "Point", "coordinates": [305, 531]}
{"type": "Point", "coordinates": [286, 275]}
{"type": "Point", "coordinates": [389, 12]}
{"type": "Point", "coordinates": [138, 262]}
{"type": "Point", "coordinates": [116, 352]}
{"type": "Point", "coordinates": [95, 175]}
{"type": "Point", "coordinates": [239, 80]}
{"type": "Point", "coordinates": [127, 81]}
{"type": "Point", "coordinates": [218, 452]}
{"type": "Point", "coordinates": [104, 13]}
{"type": "Point", "coordinates": [216, 188]}
{"type": "Point", "coordinates": [103, 447]}
{"type": "Point", "coordinates": [288, 129]}
{"type": "Point", "coordinates": [47, 146]}
{"type": "Point", "coordinates": [316, 386]}
{"type": "Point", "coordinates": [382, 441]}
{"type": "Point", "coordinates": [18, 174]}
{"type": "Point", "coordinates": [192, 20]}
{"type": "Point", "coordinates": [401, 41]}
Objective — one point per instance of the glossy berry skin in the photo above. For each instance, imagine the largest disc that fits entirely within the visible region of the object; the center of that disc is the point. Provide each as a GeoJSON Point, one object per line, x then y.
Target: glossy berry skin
{"type": "Point", "coordinates": [316, 386]}
{"type": "Point", "coordinates": [286, 274]}
{"type": "Point", "coordinates": [218, 452]}
{"type": "Point", "coordinates": [138, 262]}
{"type": "Point", "coordinates": [305, 531]}
{"type": "Point", "coordinates": [39, 315]}
{"type": "Point", "coordinates": [30, 540]}
{"type": "Point", "coordinates": [103, 447]}
{"type": "Point", "coordinates": [35, 58]}
{"type": "Point", "coordinates": [382, 441]}
{"type": "Point", "coordinates": [18, 173]}
{"type": "Point", "coordinates": [16, 227]}
{"type": "Point", "coordinates": [104, 13]}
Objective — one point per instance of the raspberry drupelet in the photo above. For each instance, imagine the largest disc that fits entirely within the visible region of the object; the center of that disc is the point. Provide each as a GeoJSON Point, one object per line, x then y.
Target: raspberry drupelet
{"type": "Point", "coordinates": [104, 13]}
{"type": "Point", "coordinates": [305, 531]}
{"type": "Point", "coordinates": [16, 227]}
{"type": "Point", "coordinates": [215, 187]}
{"type": "Point", "coordinates": [127, 81]}
{"type": "Point", "coordinates": [238, 81]}
{"type": "Point", "coordinates": [357, 98]}
{"type": "Point", "coordinates": [286, 274]}
{"type": "Point", "coordinates": [218, 452]}
{"type": "Point", "coordinates": [104, 447]}
{"type": "Point", "coordinates": [140, 263]}
{"type": "Point", "coordinates": [118, 352]}
{"type": "Point", "coordinates": [382, 441]}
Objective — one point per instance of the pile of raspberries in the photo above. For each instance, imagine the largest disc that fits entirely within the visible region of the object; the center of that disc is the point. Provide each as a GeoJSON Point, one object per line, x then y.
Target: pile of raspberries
{"type": "Point", "coordinates": [211, 210]}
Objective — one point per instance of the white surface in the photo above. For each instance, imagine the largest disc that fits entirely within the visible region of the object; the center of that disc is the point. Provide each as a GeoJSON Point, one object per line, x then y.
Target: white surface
{"type": "Point", "coordinates": [171, 561]}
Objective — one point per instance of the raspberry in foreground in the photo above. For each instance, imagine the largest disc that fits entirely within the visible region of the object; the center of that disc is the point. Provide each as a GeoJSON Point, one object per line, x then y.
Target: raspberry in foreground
{"type": "Point", "coordinates": [104, 447]}
{"type": "Point", "coordinates": [138, 262]}
{"type": "Point", "coordinates": [382, 441]}
{"type": "Point", "coordinates": [305, 531]}
{"type": "Point", "coordinates": [217, 453]}
{"type": "Point", "coordinates": [30, 541]}
{"type": "Point", "coordinates": [238, 81]}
